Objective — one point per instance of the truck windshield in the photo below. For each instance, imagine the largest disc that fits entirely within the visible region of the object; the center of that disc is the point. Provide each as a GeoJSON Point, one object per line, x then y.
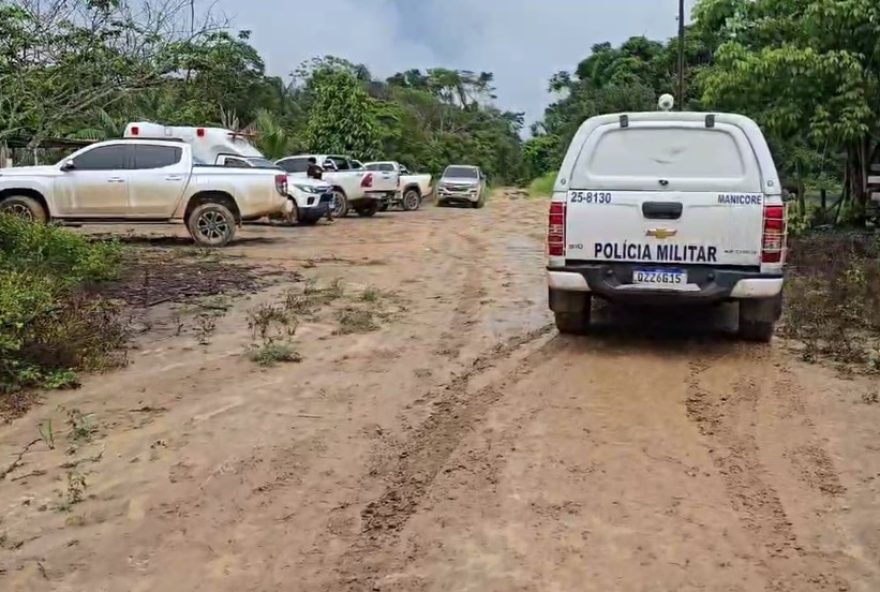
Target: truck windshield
{"type": "Point", "coordinates": [460, 172]}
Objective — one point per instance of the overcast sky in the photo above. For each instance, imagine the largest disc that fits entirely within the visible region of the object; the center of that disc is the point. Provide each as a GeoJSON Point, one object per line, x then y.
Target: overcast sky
{"type": "Point", "coordinates": [522, 41]}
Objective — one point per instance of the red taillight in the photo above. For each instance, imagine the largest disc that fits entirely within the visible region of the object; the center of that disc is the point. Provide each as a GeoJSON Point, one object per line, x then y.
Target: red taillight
{"type": "Point", "coordinates": [773, 241]}
{"type": "Point", "coordinates": [556, 230]}
{"type": "Point", "coordinates": [281, 184]}
{"type": "Point", "coordinates": [367, 181]}
{"type": "Point", "coordinates": [200, 132]}
{"type": "Point", "coordinates": [135, 130]}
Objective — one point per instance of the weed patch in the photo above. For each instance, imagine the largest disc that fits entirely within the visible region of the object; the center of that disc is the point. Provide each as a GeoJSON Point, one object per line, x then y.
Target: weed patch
{"type": "Point", "coordinates": [270, 354]}
{"type": "Point", "coordinates": [352, 320]}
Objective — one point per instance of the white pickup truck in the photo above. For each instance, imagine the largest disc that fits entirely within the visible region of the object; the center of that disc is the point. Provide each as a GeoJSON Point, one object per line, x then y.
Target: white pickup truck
{"type": "Point", "coordinates": [353, 186]}
{"type": "Point", "coordinates": [310, 199]}
{"type": "Point", "coordinates": [668, 208]}
{"type": "Point", "coordinates": [411, 189]}
{"type": "Point", "coordinates": [139, 180]}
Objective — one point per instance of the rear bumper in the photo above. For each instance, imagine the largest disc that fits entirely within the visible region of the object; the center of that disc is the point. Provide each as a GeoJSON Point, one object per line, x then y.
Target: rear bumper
{"type": "Point", "coordinates": [614, 282]}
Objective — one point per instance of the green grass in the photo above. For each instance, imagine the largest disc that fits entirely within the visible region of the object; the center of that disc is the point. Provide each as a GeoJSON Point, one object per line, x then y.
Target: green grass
{"type": "Point", "coordinates": [543, 186]}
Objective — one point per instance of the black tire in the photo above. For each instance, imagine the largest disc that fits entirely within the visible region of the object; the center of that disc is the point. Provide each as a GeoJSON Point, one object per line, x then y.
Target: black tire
{"type": "Point", "coordinates": [340, 204]}
{"type": "Point", "coordinates": [757, 319]}
{"type": "Point", "coordinates": [573, 323]}
{"type": "Point", "coordinates": [211, 225]}
{"type": "Point", "coordinates": [24, 207]}
{"type": "Point", "coordinates": [368, 211]}
{"type": "Point", "coordinates": [411, 201]}
{"type": "Point", "coordinates": [756, 331]}
{"type": "Point", "coordinates": [479, 203]}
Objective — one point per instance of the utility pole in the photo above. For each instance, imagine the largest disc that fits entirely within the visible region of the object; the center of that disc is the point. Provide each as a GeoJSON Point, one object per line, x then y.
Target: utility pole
{"type": "Point", "coordinates": [680, 55]}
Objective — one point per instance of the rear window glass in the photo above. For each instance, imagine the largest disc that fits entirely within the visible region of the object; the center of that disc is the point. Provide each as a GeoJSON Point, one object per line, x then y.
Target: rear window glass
{"type": "Point", "coordinates": [665, 154]}
{"type": "Point", "coordinates": [385, 167]}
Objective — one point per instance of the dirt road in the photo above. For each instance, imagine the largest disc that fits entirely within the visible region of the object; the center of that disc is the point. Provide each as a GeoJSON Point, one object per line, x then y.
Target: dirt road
{"type": "Point", "coordinates": [462, 445]}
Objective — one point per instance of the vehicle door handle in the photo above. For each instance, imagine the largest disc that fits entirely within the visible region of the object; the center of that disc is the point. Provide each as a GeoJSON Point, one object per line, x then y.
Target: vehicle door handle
{"type": "Point", "coordinates": [116, 180]}
{"type": "Point", "coordinates": [173, 178]}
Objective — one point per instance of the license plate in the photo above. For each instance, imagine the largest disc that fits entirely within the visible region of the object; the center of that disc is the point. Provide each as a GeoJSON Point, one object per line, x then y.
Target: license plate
{"type": "Point", "coordinates": [669, 279]}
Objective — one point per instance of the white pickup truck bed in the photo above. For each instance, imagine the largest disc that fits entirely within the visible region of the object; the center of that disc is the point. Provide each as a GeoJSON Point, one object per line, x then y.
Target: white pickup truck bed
{"type": "Point", "coordinates": [411, 188]}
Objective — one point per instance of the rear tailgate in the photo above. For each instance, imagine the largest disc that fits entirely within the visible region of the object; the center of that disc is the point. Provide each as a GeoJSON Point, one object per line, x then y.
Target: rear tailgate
{"type": "Point", "coordinates": [666, 193]}
{"type": "Point", "coordinates": [384, 181]}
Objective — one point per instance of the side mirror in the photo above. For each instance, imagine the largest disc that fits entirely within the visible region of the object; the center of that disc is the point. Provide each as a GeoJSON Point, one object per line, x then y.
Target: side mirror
{"type": "Point", "coordinates": [68, 165]}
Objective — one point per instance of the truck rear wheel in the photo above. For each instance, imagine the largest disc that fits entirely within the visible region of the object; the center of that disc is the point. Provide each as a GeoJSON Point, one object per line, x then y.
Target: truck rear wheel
{"type": "Point", "coordinates": [368, 211]}
{"type": "Point", "coordinates": [757, 318]}
{"type": "Point", "coordinates": [211, 225]}
{"type": "Point", "coordinates": [412, 199]}
{"type": "Point", "coordinates": [573, 323]}
{"type": "Point", "coordinates": [26, 208]}
{"type": "Point", "coordinates": [757, 331]}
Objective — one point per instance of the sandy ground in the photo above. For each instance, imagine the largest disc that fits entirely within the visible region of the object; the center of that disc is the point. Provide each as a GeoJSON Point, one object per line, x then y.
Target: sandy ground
{"type": "Point", "coordinates": [463, 445]}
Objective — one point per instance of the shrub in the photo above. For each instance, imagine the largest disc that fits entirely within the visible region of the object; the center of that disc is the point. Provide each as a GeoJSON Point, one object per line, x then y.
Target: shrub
{"type": "Point", "coordinates": [543, 186]}
{"type": "Point", "coordinates": [49, 324]}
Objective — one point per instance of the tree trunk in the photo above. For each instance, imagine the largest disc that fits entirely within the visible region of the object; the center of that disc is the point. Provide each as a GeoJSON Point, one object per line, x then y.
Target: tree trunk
{"type": "Point", "coordinates": [857, 167]}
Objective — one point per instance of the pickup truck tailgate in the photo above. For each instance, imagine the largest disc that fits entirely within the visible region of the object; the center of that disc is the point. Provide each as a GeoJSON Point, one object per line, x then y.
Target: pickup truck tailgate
{"type": "Point", "coordinates": [667, 227]}
{"type": "Point", "coordinates": [383, 181]}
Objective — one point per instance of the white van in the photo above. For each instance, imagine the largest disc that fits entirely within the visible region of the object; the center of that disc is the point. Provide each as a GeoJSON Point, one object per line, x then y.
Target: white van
{"type": "Point", "coordinates": [309, 199]}
{"type": "Point", "coordinates": [667, 207]}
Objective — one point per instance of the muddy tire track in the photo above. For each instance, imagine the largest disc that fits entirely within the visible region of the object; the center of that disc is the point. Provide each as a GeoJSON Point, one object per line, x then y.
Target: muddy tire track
{"type": "Point", "coordinates": [468, 299]}
{"type": "Point", "coordinates": [456, 412]}
{"type": "Point", "coordinates": [728, 420]}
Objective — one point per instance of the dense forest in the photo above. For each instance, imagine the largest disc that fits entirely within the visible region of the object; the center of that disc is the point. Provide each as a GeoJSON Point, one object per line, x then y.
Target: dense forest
{"type": "Point", "coordinates": [807, 70]}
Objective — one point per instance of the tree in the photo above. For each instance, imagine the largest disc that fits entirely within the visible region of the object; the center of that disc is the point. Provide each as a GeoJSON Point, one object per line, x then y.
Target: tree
{"type": "Point", "coordinates": [343, 117]}
{"type": "Point", "coordinates": [64, 59]}
{"type": "Point", "coordinates": [807, 70]}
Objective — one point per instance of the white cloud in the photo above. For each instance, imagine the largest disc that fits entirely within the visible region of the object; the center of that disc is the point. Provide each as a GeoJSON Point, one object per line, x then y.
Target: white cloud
{"type": "Point", "coordinates": [522, 41]}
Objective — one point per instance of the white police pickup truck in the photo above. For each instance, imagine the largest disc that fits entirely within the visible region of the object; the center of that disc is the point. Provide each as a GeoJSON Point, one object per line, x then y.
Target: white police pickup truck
{"type": "Point", "coordinates": [667, 207]}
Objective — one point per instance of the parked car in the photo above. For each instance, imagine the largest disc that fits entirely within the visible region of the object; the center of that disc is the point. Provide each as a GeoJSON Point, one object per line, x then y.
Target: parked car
{"type": "Point", "coordinates": [411, 189]}
{"type": "Point", "coordinates": [353, 186]}
{"type": "Point", "coordinates": [144, 181]}
{"type": "Point", "coordinates": [462, 184]}
{"type": "Point", "coordinates": [668, 208]}
{"type": "Point", "coordinates": [310, 199]}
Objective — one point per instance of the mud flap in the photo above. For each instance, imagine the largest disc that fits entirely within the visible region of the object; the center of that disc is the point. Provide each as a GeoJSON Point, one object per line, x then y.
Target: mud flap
{"type": "Point", "coordinates": [568, 301]}
{"type": "Point", "coordinates": [765, 310]}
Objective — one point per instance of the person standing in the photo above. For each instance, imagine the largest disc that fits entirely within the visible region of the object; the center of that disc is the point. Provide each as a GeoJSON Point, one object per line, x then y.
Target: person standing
{"type": "Point", "coordinates": [315, 171]}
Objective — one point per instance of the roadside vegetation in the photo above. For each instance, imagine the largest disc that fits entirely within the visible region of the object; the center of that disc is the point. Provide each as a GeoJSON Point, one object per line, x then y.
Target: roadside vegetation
{"type": "Point", "coordinates": [833, 299]}
{"type": "Point", "coordinates": [51, 325]}
{"type": "Point", "coordinates": [543, 185]}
